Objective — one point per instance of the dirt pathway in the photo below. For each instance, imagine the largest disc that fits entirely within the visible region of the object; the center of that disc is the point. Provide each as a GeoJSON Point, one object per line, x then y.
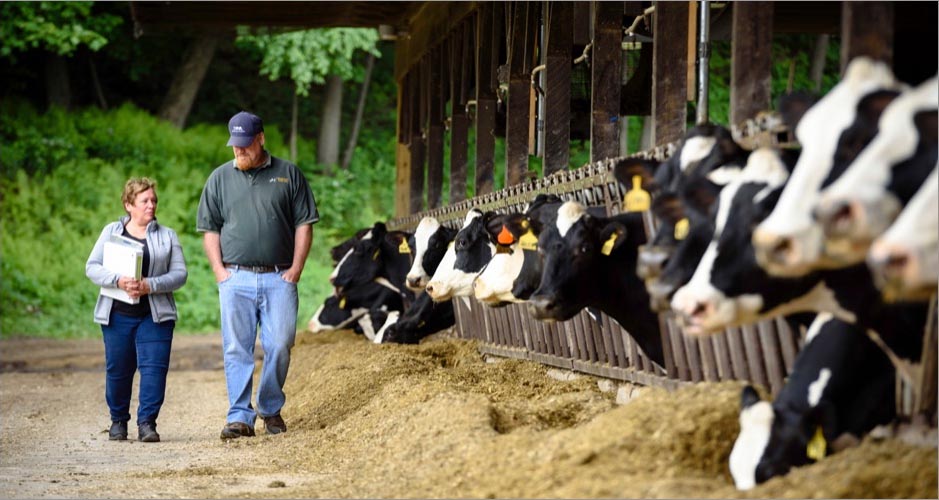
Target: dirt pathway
{"type": "Point", "coordinates": [427, 421]}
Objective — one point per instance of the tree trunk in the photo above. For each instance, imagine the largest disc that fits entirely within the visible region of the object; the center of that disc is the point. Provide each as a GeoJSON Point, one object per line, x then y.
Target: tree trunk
{"type": "Point", "coordinates": [293, 128]}
{"type": "Point", "coordinates": [99, 92]}
{"type": "Point", "coordinates": [58, 87]}
{"type": "Point", "coordinates": [818, 61]}
{"type": "Point", "coordinates": [327, 149]}
{"type": "Point", "coordinates": [360, 109]}
{"type": "Point", "coordinates": [182, 93]}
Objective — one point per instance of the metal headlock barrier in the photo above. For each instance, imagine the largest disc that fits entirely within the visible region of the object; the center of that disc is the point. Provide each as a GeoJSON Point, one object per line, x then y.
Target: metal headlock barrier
{"type": "Point", "coordinates": [761, 353]}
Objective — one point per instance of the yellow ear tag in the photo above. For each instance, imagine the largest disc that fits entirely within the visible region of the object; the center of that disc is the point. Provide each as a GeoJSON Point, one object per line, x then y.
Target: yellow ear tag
{"type": "Point", "coordinates": [375, 255]}
{"type": "Point", "coordinates": [681, 229]}
{"type": "Point", "coordinates": [342, 303]}
{"type": "Point", "coordinates": [608, 244]}
{"type": "Point", "coordinates": [404, 247]}
{"type": "Point", "coordinates": [816, 447]}
{"type": "Point", "coordinates": [637, 199]}
{"type": "Point", "coordinates": [528, 241]}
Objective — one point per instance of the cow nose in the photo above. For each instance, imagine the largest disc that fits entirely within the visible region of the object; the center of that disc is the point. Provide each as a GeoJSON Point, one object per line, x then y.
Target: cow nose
{"type": "Point", "coordinates": [430, 288]}
{"type": "Point", "coordinates": [659, 295]}
{"type": "Point", "coordinates": [414, 283]}
{"type": "Point", "coordinates": [835, 218]}
{"type": "Point", "coordinates": [652, 260]}
{"type": "Point", "coordinates": [541, 306]}
{"type": "Point", "coordinates": [772, 249]}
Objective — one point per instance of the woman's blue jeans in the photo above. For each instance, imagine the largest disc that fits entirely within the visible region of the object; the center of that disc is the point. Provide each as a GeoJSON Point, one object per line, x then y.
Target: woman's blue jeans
{"type": "Point", "coordinates": [132, 344]}
{"type": "Point", "coordinates": [248, 301]}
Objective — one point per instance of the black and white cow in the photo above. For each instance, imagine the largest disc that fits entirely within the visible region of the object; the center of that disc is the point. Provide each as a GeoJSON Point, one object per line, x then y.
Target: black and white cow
{"type": "Point", "coordinates": [729, 288]}
{"type": "Point", "coordinates": [832, 132]}
{"type": "Point", "coordinates": [868, 196]}
{"type": "Point", "coordinates": [431, 240]}
{"type": "Point", "coordinates": [841, 384]}
{"type": "Point", "coordinates": [465, 257]}
{"type": "Point", "coordinates": [334, 314]}
{"type": "Point", "coordinates": [379, 255]}
{"type": "Point", "coordinates": [591, 262]}
{"type": "Point", "coordinates": [905, 258]}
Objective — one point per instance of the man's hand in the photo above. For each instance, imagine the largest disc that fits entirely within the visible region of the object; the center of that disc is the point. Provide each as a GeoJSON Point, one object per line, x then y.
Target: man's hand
{"type": "Point", "coordinates": [221, 273]}
{"type": "Point", "coordinates": [292, 275]}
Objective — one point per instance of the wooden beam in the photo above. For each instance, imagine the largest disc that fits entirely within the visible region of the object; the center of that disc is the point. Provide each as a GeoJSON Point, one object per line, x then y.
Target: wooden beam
{"type": "Point", "coordinates": [458, 121]}
{"type": "Point", "coordinates": [402, 155]}
{"type": "Point", "coordinates": [751, 60]}
{"type": "Point", "coordinates": [669, 60]}
{"type": "Point", "coordinates": [867, 29]}
{"type": "Point", "coordinates": [557, 98]}
{"type": "Point", "coordinates": [485, 97]}
{"type": "Point", "coordinates": [435, 129]}
{"type": "Point", "coordinates": [428, 28]}
{"type": "Point", "coordinates": [520, 41]}
{"type": "Point", "coordinates": [416, 146]}
{"type": "Point", "coordinates": [606, 74]}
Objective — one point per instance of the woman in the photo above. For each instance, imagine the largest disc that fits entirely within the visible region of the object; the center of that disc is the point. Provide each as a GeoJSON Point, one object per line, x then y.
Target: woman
{"type": "Point", "coordinates": [138, 335]}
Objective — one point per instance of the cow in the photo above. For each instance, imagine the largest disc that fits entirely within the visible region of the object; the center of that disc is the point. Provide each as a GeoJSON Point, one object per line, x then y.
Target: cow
{"type": "Point", "coordinates": [842, 386]}
{"type": "Point", "coordinates": [465, 257]}
{"type": "Point", "coordinates": [591, 262]}
{"type": "Point", "coordinates": [788, 242]}
{"type": "Point", "coordinates": [378, 254]}
{"type": "Point", "coordinates": [339, 251]}
{"type": "Point", "coordinates": [867, 197]}
{"type": "Point", "coordinates": [333, 314]}
{"type": "Point", "coordinates": [424, 316]}
{"type": "Point", "coordinates": [430, 243]}
{"type": "Point", "coordinates": [729, 288]}
{"type": "Point", "coordinates": [905, 258]}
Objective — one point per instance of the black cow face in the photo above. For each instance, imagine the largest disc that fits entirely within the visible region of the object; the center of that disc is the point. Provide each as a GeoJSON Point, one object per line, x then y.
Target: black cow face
{"type": "Point", "coordinates": [364, 263]}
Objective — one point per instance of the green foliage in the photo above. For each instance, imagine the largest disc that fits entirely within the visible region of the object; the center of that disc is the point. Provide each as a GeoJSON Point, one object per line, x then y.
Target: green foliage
{"type": "Point", "coordinates": [308, 56]}
{"type": "Point", "coordinates": [58, 27]}
{"type": "Point", "coordinates": [62, 175]}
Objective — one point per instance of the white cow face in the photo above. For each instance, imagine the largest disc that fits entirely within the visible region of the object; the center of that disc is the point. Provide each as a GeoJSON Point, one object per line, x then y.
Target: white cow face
{"type": "Point", "coordinates": [789, 242]}
{"type": "Point", "coordinates": [417, 277]}
{"type": "Point", "coordinates": [756, 425]}
{"type": "Point", "coordinates": [466, 257]}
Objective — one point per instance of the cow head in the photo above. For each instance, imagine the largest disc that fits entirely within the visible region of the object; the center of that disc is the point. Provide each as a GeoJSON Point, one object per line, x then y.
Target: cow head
{"type": "Point", "coordinates": [465, 257]}
{"type": "Point", "coordinates": [431, 240]}
{"type": "Point", "coordinates": [905, 259]}
{"type": "Point", "coordinates": [720, 293]}
{"type": "Point", "coordinates": [861, 203]}
{"type": "Point", "coordinates": [511, 275]}
{"type": "Point", "coordinates": [378, 254]}
{"type": "Point", "coordinates": [788, 242]}
{"type": "Point", "coordinates": [571, 250]}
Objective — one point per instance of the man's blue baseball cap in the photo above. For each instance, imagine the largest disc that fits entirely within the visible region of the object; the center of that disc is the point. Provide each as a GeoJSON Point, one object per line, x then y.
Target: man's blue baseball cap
{"type": "Point", "coordinates": [243, 127]}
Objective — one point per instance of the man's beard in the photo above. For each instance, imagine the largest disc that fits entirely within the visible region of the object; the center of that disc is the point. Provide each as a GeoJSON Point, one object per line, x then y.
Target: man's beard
{"type": "Point", "coordinates": [245, 162]}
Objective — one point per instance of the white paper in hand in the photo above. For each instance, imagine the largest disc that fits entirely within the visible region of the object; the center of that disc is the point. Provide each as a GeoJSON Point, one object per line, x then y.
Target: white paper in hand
{"type": "Point", "coordinates": [123, 256]}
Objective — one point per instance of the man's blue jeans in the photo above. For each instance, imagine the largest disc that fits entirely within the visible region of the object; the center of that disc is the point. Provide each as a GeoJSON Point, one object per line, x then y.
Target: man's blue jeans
{"type": "Point", "coordinates": [249, 300]}
{"type": "Point", "coordinates": [130, 344]}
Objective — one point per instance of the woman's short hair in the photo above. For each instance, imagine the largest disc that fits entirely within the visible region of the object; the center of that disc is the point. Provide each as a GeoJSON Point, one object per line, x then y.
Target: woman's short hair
{"type": "Point", "coordinates": [135, 186]}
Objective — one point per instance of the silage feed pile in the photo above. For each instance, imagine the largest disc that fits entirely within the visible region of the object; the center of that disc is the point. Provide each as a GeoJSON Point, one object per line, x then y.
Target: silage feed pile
{"type": "Point", "coordinates": [438, 420]}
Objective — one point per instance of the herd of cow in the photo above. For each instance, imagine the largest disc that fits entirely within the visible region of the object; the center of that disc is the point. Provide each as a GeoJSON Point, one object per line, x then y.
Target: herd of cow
{"type": "Point", "coordinates": [841, 236]}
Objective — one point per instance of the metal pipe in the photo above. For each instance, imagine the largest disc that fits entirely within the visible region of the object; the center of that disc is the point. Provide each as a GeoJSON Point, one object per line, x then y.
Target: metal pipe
{"type": "Point", "coordinates": [704, 55]}
{"type": "Point", "coordinates": [539, 86]}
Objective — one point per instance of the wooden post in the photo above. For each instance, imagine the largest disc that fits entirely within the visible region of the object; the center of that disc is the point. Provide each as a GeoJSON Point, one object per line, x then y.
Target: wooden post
{"type": "Point", "coordinates": [557, 88]}
{"type": "Point", "coordinates": [867, 29]}
{"type": "Point", "coordinates": [418, 118]}
{"type": "Point", "coordinates": [751, 60]}
{"type": "Point", "coordinates": [458, 121]}
{"type": "Point", "coordinates": [402, 152]}
{"type": "Point", "coordinates": [607, 68]}
{"type": "Point", "coordinates": [435, 129]}
{"type": "Point", "coordinates": [521, 41]}
{"type": "Point", "coordinates": [485, 96]}
{"type": "Point", "coordinates": [669, 62]}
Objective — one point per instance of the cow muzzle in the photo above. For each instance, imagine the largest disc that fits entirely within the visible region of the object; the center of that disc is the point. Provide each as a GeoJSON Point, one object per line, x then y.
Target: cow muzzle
{"type": "Point", "coordinates": [438, 291]}
{"type": "Point", "coordinates": [542, 307]}
{"type": "Point", "coordinates": [659, 295]}
{"type": "Point", "coordinates": [788, 255]}
{"type": "Point", "coordinates": [652, 259]}
{"type": "Point", "coordinates": [416, 283]}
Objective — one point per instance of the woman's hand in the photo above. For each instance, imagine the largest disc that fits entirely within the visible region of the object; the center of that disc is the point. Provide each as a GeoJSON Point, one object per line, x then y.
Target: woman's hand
{"type": "Point", "coordinates": [134, 288]}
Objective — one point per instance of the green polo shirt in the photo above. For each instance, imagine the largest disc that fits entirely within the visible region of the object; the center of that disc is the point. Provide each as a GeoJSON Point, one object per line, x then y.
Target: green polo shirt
{"type": "Point", "coordinates": [256, 211]}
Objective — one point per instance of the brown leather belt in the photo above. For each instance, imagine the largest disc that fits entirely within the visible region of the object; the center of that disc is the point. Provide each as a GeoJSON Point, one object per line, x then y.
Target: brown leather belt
{"type": "Point", "coordinates": [256, 269]}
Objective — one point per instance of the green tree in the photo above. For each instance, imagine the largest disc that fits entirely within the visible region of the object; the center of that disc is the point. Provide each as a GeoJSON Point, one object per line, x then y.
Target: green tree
{"type": "Point", "coordinates": [316, 56]}
{"type": "Point", "coordinates": [59, 28]}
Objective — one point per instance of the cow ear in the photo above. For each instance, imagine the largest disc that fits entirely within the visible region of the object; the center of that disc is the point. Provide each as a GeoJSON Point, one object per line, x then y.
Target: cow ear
{"type": "Point", "coordinates": [493, 222]}
{"type": "Point", "coordinates": [793, 106]}
{"type": "Point", "coordinates": [748, 397]}
{"type": "Point", "coordinates": [725, 141]}
{"type": "Point", "coordinates": [626, 170]}
{"type": "Point", "coordinates": [379, 230]}
{"type": "Point", "coordinates": [612, 237]}
{"type": "Point", "coordinates": [872, 105]}
{"type": "Point", "coordinates": [669, 208]}
{"type": "Point", "coordinates": [700, 194]}
{"type": "Point", "coordinates": [400, 240]}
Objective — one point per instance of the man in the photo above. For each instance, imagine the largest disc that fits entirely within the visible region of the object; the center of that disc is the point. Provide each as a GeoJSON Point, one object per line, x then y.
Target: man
{"type": "Point", "coordinates": [256, 213]}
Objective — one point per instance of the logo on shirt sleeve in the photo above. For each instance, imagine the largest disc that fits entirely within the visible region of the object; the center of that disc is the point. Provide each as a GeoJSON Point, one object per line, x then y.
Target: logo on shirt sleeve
{"type": "Point", "coordinates": [282, 180]}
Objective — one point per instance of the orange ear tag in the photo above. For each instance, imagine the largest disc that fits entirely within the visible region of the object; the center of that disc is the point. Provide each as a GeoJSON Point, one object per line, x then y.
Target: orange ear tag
{"type": "Point", "coordinates": [505, 237]}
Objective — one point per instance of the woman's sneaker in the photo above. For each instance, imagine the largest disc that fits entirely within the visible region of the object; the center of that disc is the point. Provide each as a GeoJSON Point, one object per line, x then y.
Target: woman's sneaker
{"type": "Point", "coordinates": [146, 432]}
{"type": "Point", "coordinates": [118, 431]}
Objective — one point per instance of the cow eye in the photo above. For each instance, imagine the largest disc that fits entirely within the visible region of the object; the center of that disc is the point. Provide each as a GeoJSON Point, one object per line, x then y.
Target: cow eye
{"type": "Point", "coordinates": [585, 248]}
